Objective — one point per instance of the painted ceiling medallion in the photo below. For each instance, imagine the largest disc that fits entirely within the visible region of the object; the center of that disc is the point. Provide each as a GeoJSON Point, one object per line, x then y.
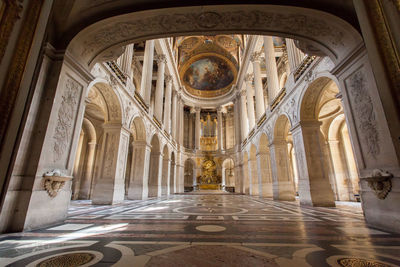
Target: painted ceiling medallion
{"type": "Point", "coordinates": [208, 75]}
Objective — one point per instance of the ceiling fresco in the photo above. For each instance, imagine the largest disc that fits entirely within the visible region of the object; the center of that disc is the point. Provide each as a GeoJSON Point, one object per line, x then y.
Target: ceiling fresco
{"type": "Point", "coordinates": [208, 64]}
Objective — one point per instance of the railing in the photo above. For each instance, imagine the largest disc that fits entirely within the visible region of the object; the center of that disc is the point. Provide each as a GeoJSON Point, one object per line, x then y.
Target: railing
{"type": "Point", "coordinates": [116, 70]}
{"type": "Point", "coordinates": [303, 66]}
{"type": "Point", "coordinates": [278, 98]}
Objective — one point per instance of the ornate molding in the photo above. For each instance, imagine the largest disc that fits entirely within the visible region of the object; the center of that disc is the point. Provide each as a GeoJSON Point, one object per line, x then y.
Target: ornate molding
{"type": "Point", "coordinates": [380, 182]}
{"type": "Point", "coordinates": [161, 58]}
{"type": "Point", "coordinates": [249, 77]}
{"type": "Point", "coordinates": [66, 117]}
{"type": "Point", "coordinates": [364, 112]}
{"type": "Point", "coordinates": [54, 181]}
{"type": "Point", "coordinates": [331, 32]}
{"type": "Point", "coordinates": [256, 56]}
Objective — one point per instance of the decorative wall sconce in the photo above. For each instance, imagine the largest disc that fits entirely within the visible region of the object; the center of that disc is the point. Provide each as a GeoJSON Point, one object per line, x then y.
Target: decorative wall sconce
{"type": "Point", "coordinates": [54, 181]}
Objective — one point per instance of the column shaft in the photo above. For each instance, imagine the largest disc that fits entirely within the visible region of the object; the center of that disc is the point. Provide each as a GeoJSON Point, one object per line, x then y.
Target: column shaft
{"type": "Point", "coordinates": [250, 103]}
{"type": "Point", "coordinates": [243, 115]}
{"type": "Point", "coordinates": [219, 114]}
{"type": "Point", "coordinates": [147, 72]}
{"type": "Point", "coordinates": [258, 87]}
{"type": "Point", "coordinates": [159, 97]}
{"type": "Point", "coordinates": [167, 105]}
{"type": "Point", "coordinates": [272, 72]}
{"type": "Point", "coordinates": [198, 127]}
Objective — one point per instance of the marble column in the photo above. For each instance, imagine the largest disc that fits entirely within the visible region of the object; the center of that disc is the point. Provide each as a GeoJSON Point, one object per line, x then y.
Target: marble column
{"type": "Point", "coordinates": [167, 104]}
{"type": "Point", "coordinates": [272, 71]}
{"type": "Point", "coordinates": [138, 185]}
{"type": "Point", "coordinates": [243, 115]}
{"type": "Point", "coordinates": [219, 114]}
{"type": "Point", "coordinates": [147, 71]}
{"type": "Point", "coordinates": [77, 174]}
{"type": "Point", "coordinates": [250, 101]}
{"type": "Point", "coordinates": [191, 131]}
{"type": "Point", "coordinates": [181, 125]}
{"type": "Point", "coordinates": [174, 114]}
{"type": "Point", "coordinates": [110, 183]}
{"type": "Point", "coordinates": [197, 122]}
{"type": "Point", "coordinates": [159, 94]}
{"type": "Point", "coordinates": [86, 182]}
{"type": "Point", "coordinates": [295, 56]}
{"type": "Point", "coordinates": [282, 181]}
{"type": "Point", "coordinates": [126, 64]}
{"type": "Point", "coordinates": [258, 87]}
{"type": "Point", "coordinates": [314, 186]}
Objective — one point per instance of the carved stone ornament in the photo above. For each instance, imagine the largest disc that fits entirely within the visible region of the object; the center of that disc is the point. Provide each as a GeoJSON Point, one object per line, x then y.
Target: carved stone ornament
{"type": "Point", "coordinates": [54, 181]}
{"type": "Point", "coordinates": [380, 183]}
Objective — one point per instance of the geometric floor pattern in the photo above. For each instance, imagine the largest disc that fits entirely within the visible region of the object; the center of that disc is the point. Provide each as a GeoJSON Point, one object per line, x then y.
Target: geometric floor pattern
{"type": "Point", "coordinates": [204, 230]}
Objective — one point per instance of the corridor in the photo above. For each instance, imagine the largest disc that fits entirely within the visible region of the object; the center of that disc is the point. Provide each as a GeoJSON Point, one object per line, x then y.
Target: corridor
{"type": "Point", "coordinates": [204, 230]}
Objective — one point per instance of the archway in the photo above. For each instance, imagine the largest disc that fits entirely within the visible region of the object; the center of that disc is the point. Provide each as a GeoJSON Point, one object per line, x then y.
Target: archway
{"type": "Point", "coordinates": [154, 182]}
{"type": "Point", "coordinates": [282, 172]}
{"type": "Point", "coordinates": [228, 175]}
{"type": "Point", "coordinates": [165, 189]}
{"type": "Point", "coordinates": [172, 179]}
{"type": "Point", "coordinates": [84, 161]}
{"type": "Point", "coordinates": [253, 171]}
{"type": "Point", "coordinates": [189, 175]}
{"type": "Point", "coordinates": [264, 164]}
{"type": "Point", "coordinates": [246, 181]}
{"type": "Point", "coordinates": [322, 105]}
{"type": "Point", "coordinates": [139, 161]}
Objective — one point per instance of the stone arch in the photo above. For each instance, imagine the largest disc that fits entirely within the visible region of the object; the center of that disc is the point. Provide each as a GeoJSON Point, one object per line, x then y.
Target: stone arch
{"type": "Point", "coordinates": [264, 164]}
{"type": "Point", "coordinates": [172, 180]}
{"type": "Point", "coordinates": [282, 171]}
{"type": "Point", "coordinates": [84, 161]}
{"type": "Point", "coordinates": [253, 171]}
{"type": "Point", "coordinates": [166, 165]}
{"type": "Point", "coordinates": [154, 182]}
{"type": "Point", "coordinates": [344, 176]}
{"type": "Point", "coordinates": [246, 182]}
{"type": "Point", "coordinates": [139, 157]}
{"type": "Point", "coordinates": [189, 174]}
{"type": "Point", "coordinates": [228, 174]}
{"type": "Point", "coordinates": [312, 96]}
{"type": "Point", "coordinates": [102, 94]}
{"type": "Point", "coordinates": [138, 129]}
{"type": "Point", "coordinates": [103, 40]}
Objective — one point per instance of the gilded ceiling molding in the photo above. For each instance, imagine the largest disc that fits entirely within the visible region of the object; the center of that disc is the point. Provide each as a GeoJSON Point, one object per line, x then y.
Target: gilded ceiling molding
{"type": "Point", "coordinates": [16, 70]}
{"type": "Point", "coordinates": [207, 93]}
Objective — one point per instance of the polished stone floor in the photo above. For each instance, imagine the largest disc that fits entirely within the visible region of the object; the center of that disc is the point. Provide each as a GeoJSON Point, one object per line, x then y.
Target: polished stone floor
{"type": "Point", "coordinates": [204, 230]}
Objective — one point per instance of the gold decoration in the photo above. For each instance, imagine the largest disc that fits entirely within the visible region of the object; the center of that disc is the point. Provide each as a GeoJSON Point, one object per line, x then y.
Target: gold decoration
{"type": "Point", "coordinates": [208, 93]}
{"type": "Point", "coordinates": [68, 260]}
{"type": "Point", "coordinates": [209, 172]}
{"type": "Point", "coordinates": [356, 262]}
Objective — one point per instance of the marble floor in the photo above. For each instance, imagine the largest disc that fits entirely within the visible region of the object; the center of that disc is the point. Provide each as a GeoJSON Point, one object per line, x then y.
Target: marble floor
{"type": "Point", "coordinates": [204, 230]}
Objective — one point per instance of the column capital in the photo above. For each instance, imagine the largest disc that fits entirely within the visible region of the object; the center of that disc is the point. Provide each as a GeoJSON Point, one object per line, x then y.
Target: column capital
{"type": "Point", "coordinates": [255, 57]}
{"type": "Point", "coordinates": [197, 109]}
{"type": "Point", "coordinates": [242, 93]}
{"type": "Point", "coordinates": [220, 109]}
{"type": "Point", "coordinates": [249, 77]}
{"type": "Point", "coordinates": [168, 78]}
{"type": "Point", "coordinates": [161, 58]}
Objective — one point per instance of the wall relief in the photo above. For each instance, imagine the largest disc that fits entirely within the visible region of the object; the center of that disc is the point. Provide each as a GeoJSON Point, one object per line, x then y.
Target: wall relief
{"type": "Point", "coordinates": [66, 118]}
{"type": "Point", "coordinates": [364, 112]}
